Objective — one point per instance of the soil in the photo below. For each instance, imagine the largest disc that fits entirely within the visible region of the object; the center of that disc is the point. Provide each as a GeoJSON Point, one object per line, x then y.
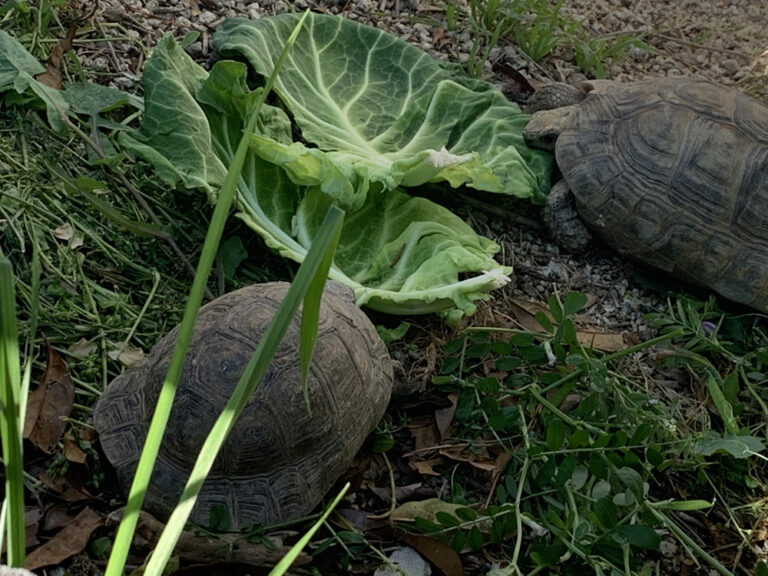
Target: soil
{"type": "Point", "coordinates": [723, 40]}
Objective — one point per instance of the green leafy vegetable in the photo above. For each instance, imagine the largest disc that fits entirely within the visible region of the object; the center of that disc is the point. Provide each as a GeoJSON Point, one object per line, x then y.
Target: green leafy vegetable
{"type": "Point", "coordinates": [401, 254]}
{"type": "Point", "coordinates": [382, 113]}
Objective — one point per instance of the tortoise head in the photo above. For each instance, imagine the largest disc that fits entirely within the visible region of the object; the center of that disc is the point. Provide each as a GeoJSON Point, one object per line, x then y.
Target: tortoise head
{"type": "Point", "coordinates": [546, 125]}
{"type": "Point", "coordinates": [552, 106]}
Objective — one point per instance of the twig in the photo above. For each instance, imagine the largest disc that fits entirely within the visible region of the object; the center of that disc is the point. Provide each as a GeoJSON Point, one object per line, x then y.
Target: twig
{"type": "Point", "coordinates": [393, 497]}
{"type": "Point", "coordinates": [700, 46]}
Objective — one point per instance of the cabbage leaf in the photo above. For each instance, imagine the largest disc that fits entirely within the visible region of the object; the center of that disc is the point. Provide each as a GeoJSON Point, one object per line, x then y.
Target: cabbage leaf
{"type": "Point", "coordinates": [380, 113]}
{"type": "Point", "coordinates": [400, 253]}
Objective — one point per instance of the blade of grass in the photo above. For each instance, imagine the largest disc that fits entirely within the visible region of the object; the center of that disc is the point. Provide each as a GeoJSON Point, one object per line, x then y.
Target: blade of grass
{"type": "Point", "coordinates": [282, 566]}
{"type": "Point", "coordinates": [10, 429]}
{"type": "Point", "coordinates": [167, 393]}
{"type": "Point", "coordinates": [135, 227]}
{"type": "Point", "coordinates": [311, 313]}
{"type": "Point", "coordinates": [314, 267]}
{"type": "Point", "coordinates": [34, 309]}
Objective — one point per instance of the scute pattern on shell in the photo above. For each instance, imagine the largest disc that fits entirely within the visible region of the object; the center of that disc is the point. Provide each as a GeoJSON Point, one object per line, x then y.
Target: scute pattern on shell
{"type": "Point", "coordinates": [279, 460]}
{"type": "Point", "coordinates": [674, 173]}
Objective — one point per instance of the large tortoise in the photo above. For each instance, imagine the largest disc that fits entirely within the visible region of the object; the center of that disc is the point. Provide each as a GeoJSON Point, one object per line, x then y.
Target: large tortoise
{"type": "Point", "coordinates": [671, 172]}
{"type": "Point", "coordinates": [279, 460]}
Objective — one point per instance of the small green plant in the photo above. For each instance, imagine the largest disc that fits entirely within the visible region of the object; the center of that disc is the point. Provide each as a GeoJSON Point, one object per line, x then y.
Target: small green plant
{"type": "Point", "coordinates": [451, 15]}
{"type": "Point", "coordinates": [538, 27]}
{"type": "Point", "coordinates": [489, 23]}
{"type": "Point", "coordinates": [587, 446]}
{"type": "Point", "coordinates": [592, 54]}
{"type": "Point", "coordinates": [728, 352]}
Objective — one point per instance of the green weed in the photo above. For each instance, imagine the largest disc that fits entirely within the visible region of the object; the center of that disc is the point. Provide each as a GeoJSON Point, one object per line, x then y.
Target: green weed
{"type": "Point", "coordinates": [538, 27]}
{"type": "Point", "coordinates": [488, 24]}
{"type": "Point", "coordinates": [591, 448]}
{"type": "Point", "coordinates": [592, 54]}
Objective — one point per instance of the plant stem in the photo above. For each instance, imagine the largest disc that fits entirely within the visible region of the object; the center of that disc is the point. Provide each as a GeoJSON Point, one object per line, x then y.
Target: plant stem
{"type": "Point", "coordinates": [687, 540]}
{"type": "Point", "coordinates": [519, 495]}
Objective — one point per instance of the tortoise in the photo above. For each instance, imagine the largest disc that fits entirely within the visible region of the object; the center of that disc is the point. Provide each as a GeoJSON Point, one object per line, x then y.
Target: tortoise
{"type": "Point", "coordinates": [279, 459]}
{"type": "Point", "coordinates": [671, 172]}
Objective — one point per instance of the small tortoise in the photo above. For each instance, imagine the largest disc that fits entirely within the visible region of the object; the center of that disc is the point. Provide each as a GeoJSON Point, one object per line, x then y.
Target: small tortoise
{"type": "Point", "coordinates": [671, 172]}
{"type": "Point", "coordinates": [279, 460]}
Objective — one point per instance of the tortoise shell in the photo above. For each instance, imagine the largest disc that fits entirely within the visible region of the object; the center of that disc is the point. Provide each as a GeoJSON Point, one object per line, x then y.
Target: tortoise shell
{"type": "Point", "coordinates": [279, 459]}
{"type": "Point", "coordinates": [674, 173]}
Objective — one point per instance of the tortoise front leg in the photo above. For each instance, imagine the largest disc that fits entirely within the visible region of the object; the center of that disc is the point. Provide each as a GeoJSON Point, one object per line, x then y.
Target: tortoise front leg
{"type": "Point", "coordinates": [562, 220]}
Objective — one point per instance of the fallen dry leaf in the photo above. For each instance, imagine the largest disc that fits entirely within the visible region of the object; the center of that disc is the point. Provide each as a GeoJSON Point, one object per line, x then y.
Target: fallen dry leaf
{"type": "Point", "coordinates": [52, 75]}
{"type": "Point", "coordinates": [424, 434]}
{"type": "Point", "coordinates": [721, 537]}
{"type": "Point", "coordinates": [605, 341]}
{"type": "Point", "coordinates": [482, 461]}
{"type": "Point", "coordinates": [401, 493]}
{"type": "Point", "coordinates": [32, 516]}
{"type": "Point", "coordinates": [56, 517]}
{"type": "Point", "coordinates": [68, 487]}
{"type": "Point", "coordinates": [361, 520]}
{"type": "Point", "coordinates": [64, 232]}
{"type": "Point", "coordinates": [72, 450]}
{"type": "Point", "coordinates": [426, 467]}
{"type": "Point", "coordinates": [444, 417]}
{"type": "Point", "coordinates": [77, 242]}
{"type": "Point", "coordinates": [88, 435]}
{"type": "Point", "coordinates": [72, 539]}
{"type": "Point", "coordinates": [501, 463]}
{"type": "Point", "coordinates": [525, 312]}
{"type": "Point", "coordinates": [439, 38]}
{"type": "Point", "coordinates": [570, 402]}
{"type": "Point", "coordinates": [438, 553]}
{"type": "Point", "coordinates": [514, 85]}
{"type": "Point", "coordinates": [82, 348]}
{"type": "Point", "coordinates": [426, 509]}
{"type": "Point", "coordinates": [127, 355]}
{"type": "Point", "coordinates": [49, 404]}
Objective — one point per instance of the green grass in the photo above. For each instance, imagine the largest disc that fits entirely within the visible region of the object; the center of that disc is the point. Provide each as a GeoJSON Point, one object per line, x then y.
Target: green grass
{"type": "Point", "coordinates": [537, 27]}
{"type": "Point", "coordinates": [93, 286]}
{"type": "Point", "coordinates": [101, 283]}
{"type": "Point", "coordinates": [11, 424]}
{"type": "Point", "coordinates": [598, 478]}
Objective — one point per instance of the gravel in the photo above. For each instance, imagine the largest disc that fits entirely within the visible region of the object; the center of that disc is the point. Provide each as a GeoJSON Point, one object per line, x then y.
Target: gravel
{"type": "Point", "coordinates": [725, 41]}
